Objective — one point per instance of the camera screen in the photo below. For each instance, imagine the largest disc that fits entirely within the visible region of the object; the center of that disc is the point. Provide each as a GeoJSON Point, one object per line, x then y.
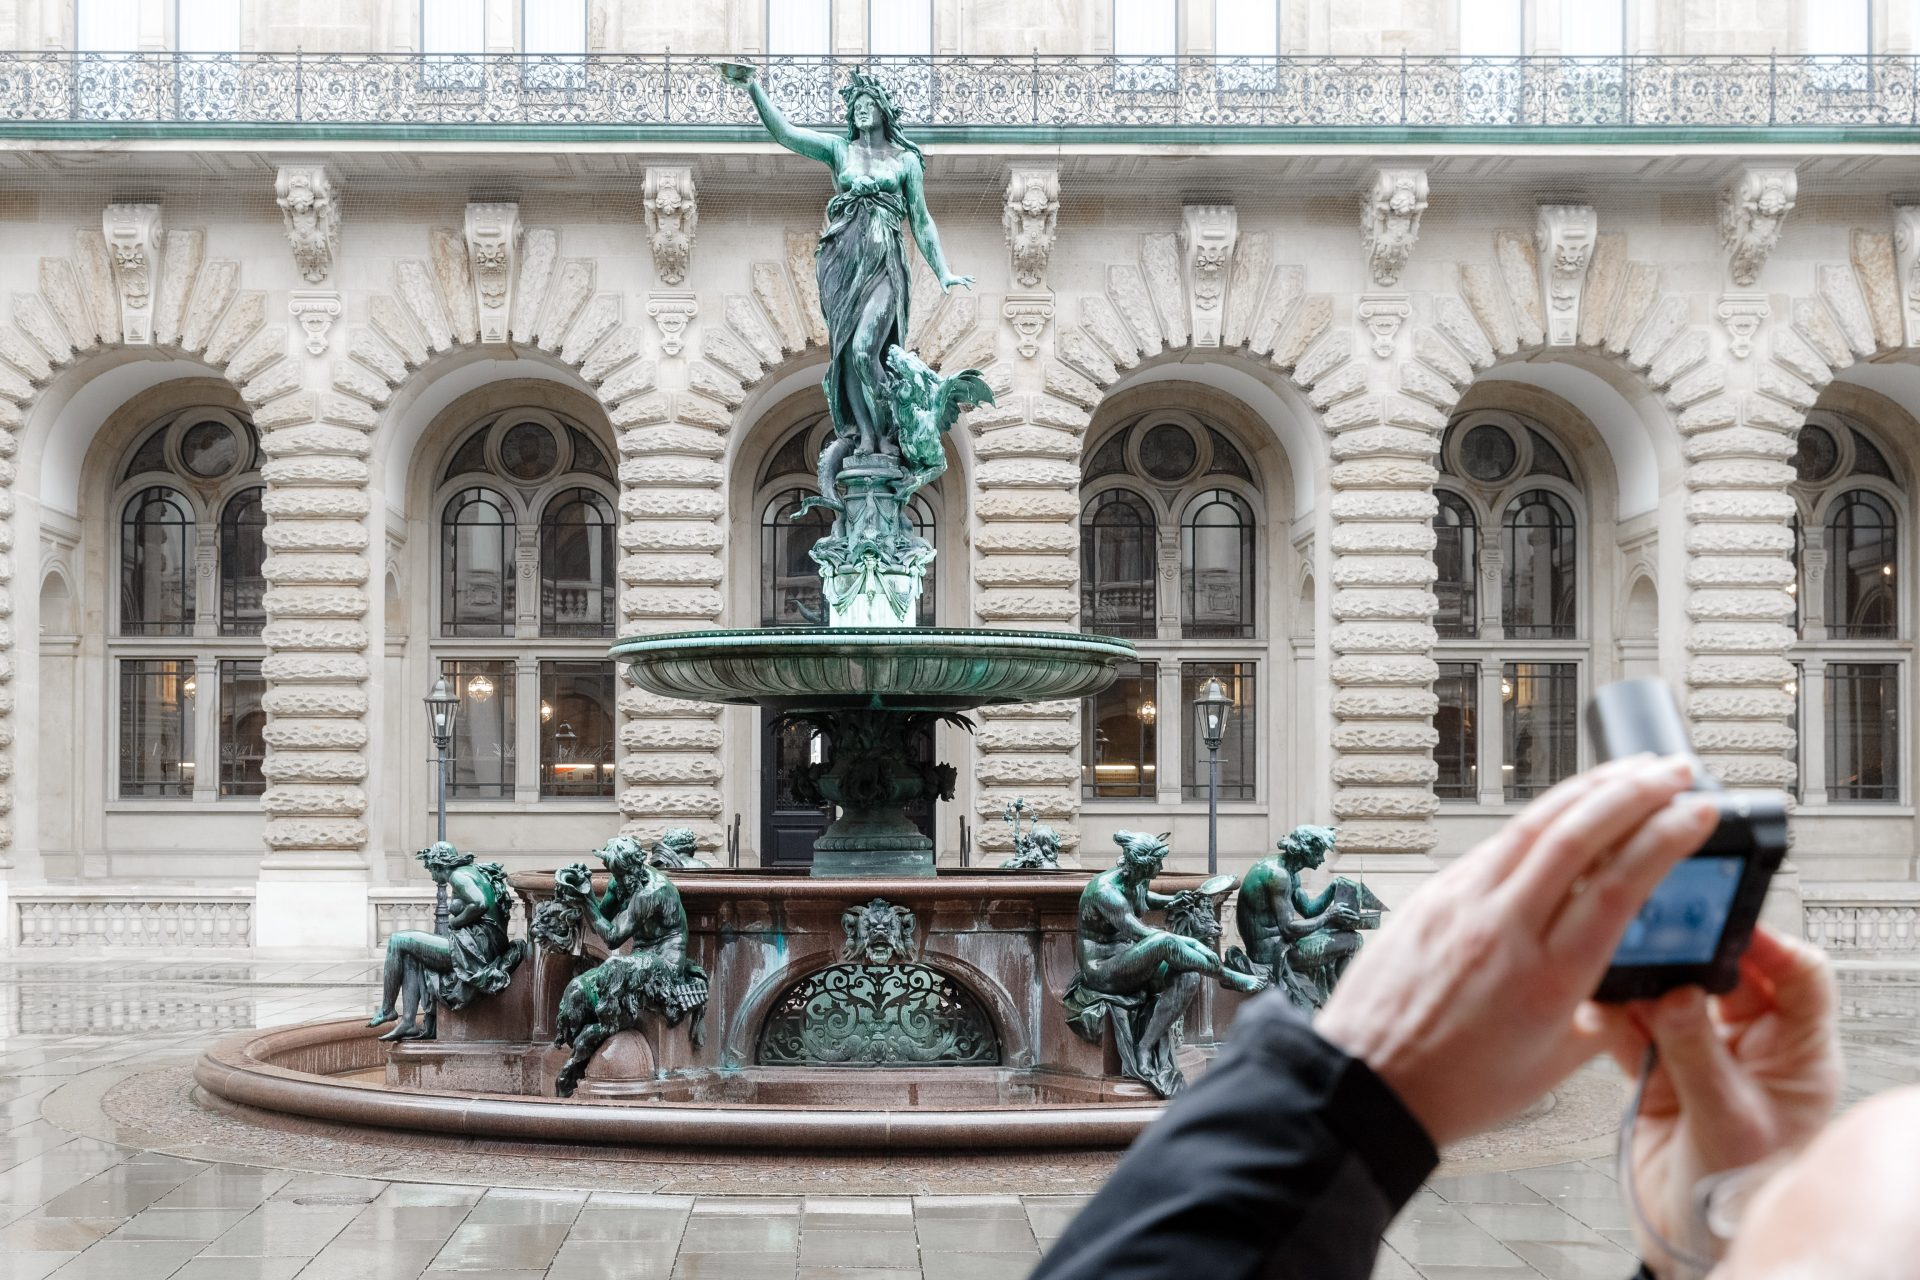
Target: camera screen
{"type": "Point", "coordinates": [1681, 922]}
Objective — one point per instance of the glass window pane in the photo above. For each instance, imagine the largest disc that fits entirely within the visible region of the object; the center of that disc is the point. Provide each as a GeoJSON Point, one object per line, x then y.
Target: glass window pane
{"type": "Point", "coordinates": [900, 28]}
{"type": "Point", "coordinates": [476, 565]}
{"type": "Point", "coordinates": [1593, 28]}
{"type": "Point", "coordinates": [1862, 592]}
{"type": "Point", "coordinates": [1838, 26]}
{"type": "Point", "coordinates": [576, 729]}
{"type": "Point", "coordinates": [1119, 751]}
{"type": "Point", "coordinates": [1216, 566]}
{"type": "Point", "coordinates": [210, 26]}
{"type": "Point", "coordinates": [1796, 689]}
{"type": "Point", "coordinates": [1239, 748]}
{"type": "Point", "coordinates": [1146, 28]}
{"type": "Point", "coordinates": [799, 27]}
{"type": "Point", "coordinates": [576, 565]}
{"type": "Point", "coordinates": [1539, 600]}
{"type": "Point", "coordinates": [453, 26]}
{"type": "Point", "coordinates": [156, 573]}
{"type": "Point", "coordinates": [554, 26]}
{"type": "Point", "coordinates": [156, 727]}
{"type": "Point", "coordinates": [1456, 555]}
{"type": "Point", "coordinates": [243, 550]}
{"type": "Point", "coordinates": [107, 26]}
{"type": "Point", "coordinates": [480, 763]}
{"type": "Point", "coordinates": [243, 724]}
{"type": "Point", "coordinates": [1491, 29]}
{"type": "Point", "coordinates": [1863, 732]}
{"type": "Point", "coordinates": [1541, 704]}
{"type": "Point", "coordinates": [1118, 550]}
{"type": "Point", "coordinates": [1246, 28]}
{"type": "Point", "coordinates": [1457, 753]}
{"type": "Point", "coordinates": [789, 579]}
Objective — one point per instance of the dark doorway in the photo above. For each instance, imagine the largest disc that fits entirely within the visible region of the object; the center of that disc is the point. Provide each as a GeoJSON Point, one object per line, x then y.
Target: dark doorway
{"type": "Point", "coordinates": [789, 826]}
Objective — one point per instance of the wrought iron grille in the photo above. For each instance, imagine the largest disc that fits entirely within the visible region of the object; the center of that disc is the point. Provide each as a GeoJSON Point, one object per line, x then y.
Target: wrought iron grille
{"type": "Point", "coordinates": [1043, 91]}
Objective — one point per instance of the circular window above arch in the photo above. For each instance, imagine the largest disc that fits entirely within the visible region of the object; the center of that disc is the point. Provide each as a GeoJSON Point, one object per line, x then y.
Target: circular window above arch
{"type": "Point", "coordinates": [1488, 453]}
{"type": "Point", "coordinates": [1494, 448]}
{"type": "Point", "coordinates": [204, 446]}
{"type": "Point", "coordinates": [1817, 456]}
{"type": "Point", "coordinates": [210, 449]}
{"type": "Point", "coordinates": [529, 452]}
{"type": "Point", "coordinates": [528, 448]}
{"type": "Point", "coordinates": [1169, 453]}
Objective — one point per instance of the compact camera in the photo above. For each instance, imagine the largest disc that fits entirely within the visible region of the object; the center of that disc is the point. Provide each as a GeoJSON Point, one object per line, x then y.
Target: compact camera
{"type": "Point", "coordinates": [1695, 927]}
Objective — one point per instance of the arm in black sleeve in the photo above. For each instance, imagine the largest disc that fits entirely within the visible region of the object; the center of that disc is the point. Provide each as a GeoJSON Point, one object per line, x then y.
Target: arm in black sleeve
{"type": "Point", "coordinates": [1287, 1159]}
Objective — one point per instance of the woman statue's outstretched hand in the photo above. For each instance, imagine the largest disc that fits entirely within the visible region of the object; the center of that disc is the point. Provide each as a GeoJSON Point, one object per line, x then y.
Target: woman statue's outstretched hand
{"type": "Point", "coordinates": [735, 72]}
{"type": "Point", "coordinates": [951, 281]}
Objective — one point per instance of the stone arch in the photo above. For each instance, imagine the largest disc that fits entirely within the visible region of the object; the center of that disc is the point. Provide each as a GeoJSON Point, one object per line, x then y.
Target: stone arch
{"type": "Point", "coordinates": [57, 614]}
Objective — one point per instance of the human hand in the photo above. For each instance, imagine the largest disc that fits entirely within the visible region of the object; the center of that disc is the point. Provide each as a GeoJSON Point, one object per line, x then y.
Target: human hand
{"type": "Point", "coordinates": [952, 281]}
{"type": "Point", "coordinates": [1473, 1000]}
{"type": "Point", "coordinates": [1738, 1079]}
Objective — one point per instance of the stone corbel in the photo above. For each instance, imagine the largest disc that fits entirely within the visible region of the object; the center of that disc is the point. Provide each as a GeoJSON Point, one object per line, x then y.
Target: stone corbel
{"type": "Point", "coordinates": [1032, 219]}
{"type": "Point", "coordinates": [1383, 314]}
{"type": "Point", "coordinates": [1029, 314]}
{"type": "Point", "coordinates": [134, 235]}
{"type": "Point", "coordinates": [305, 195]}
{"type": "Point", "coordinates": [1813, 584]}
{"type": "Point", "coordinates": [1207, 234]}
{"type": "Point", "coordinates": [1563, 234]}
{"type": "Point", "coordinates": [1752, 211]}
{"type": "Point", "coordinates": [493, 252]}
{"type": "Point", "coordinates": [1742, 315]}
{"type": "Point", "coordinates": [672, 214]}
{"type": "Point", "coordinates": [672, 311]}
{"type": "Point", "coordinates": [1390, 221]}
{"type": "Point", "coordinates": [315, 310]}
{"type": "Point", "coordinates": [1906, 254]}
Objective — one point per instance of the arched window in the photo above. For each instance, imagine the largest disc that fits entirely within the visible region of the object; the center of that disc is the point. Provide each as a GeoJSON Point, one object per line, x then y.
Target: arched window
{"type": "Point", "coordinates": [1862, 588]}
{"type": "Point", "coordinates": [243, 550]}
{"type": "Point", "coordinates": [1118, 551]}
{"type": "Point", "coordinates": [156, 571]}
{"type": "Point", "coordinates": [1539, 599]}
{"type": "Point", "coordinates": [1216, 567]}
{"type": "Point", "coordinates": [476, 565]}
{"type": "Point", "coordinates": [576, 565]}
{"type": "Point", "coordinates": [1456, 556]}
{"type": "Point", "coordinates": [789, 579]}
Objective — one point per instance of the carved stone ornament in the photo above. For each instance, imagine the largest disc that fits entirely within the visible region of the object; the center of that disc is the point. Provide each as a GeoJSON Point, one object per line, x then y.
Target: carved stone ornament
{"type": "Point", "coordinates": [305, 195]}
{"type": "Point", "coordinates": [1207, 234]}
{"type": "Point", "coordinates": [1383, 314]}
{"type": "Point", "coordinates": [493, 252]}
{"type": "Point", "coordinates": [316, 310]}
{"type": "Point", "coordinates": [1742, 314]}
{"type": "Point", "coordinates": [1906, 256]}
{"type": "Point", "coordinates": [672, 311]}
{"type": "Point", "coordinates": [1390, 221]}
{"type": "Point", "coordinates": [134, 236]}
{"type": "Point", "coordinates": [672, 214]}
{"type": "Point", "coordinates": [1032, 218]}
{"type": "Point", "coordinates": [1029, 314]}
{"type": "Point", "coordinates": [1564, 235]}
{"type": "Point", "coordinates": [1752, 211]}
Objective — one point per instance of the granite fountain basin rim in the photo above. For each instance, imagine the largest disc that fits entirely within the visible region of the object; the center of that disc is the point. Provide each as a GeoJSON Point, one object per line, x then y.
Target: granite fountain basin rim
{"type": "Point", "coordinates": [294, 1072]}
{"type": "Point", "coordinates": [897, 668]}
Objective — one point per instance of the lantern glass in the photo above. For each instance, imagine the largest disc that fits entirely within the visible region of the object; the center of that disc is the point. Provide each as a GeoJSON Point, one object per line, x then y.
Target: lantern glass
{"type": "Point", "coordinates": [442, 707]}
{"type": "Point", "coordinates": [1210, 711]}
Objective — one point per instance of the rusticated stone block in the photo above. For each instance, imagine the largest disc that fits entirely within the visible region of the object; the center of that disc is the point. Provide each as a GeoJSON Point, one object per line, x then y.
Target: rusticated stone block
{"type": "Point", "coordinates": [1705, 604]}
{"type": "Point", "coordinates": [314, 766]}
{"type": "Point", "coordinates": [665, 535]}
{"type": "Point", "coordinates": [1021, 736]}
{"type": "Point", "coordinates": [1027, 504]}
{"type": "Point", "coordinates": [315, 602]}
{"type": "Point", "coordinates": [1769, 771]}
{"type": "Point", "coordinates": [293, 800]}
{"type": "Point", "coordinates": [1383, 442]}
{"type": "Point", "coordinates": [1027, 539]}
{"type": "Point", "coordinates": [671, 737]}
{"type": "Point", "coordinates": [669, 769]}
{"type": "Point", "coordinates": [325, 470]}
{"type": "Point", "coordinates": [1057, 709]}
{"type": "Point", "coordinates": [1376, 803]}
{"type": "Point", "coordinates": [642, 411]}
{"type": "Point", "coordinates": [314, 504]}
{"type": "Point", "coordinates": [1738, 442]}
{"type": "Point", "coordinates": [672, 602]}
{"type": "Point", "coordinates": [1382, 670]}
{"type": "Point", "coordinates": [1739, 704]}
{"type": "Point", "coordinates": [1386, 737]}
{"type": "Point", "coordinates": [1764, 507]}
{"type": "Point", "coordinates": [293, 834]}
{"type": "Point", "coordinates": [1006, 606]}
{"type": "Point", "coordinates": [1739, 474]}
{"type": "Point", "coordinates": [314, 535]}
{"type": "Point", "coordinates": [692, 442]}
{"type": "Point", "coordinates": [315, 702]}
{"type": "Point", "coordinates": [1739, 571]}
{"type": "Point", "coordinates": [1027, 442]}
{"type": "Point", "coordinates": [1726, 538]}
{"type": "Point", "coordinates": [1384, 505]}
{"type": "Point", "coordinates": [310, 668]}
{"type": "Point", "coordinates": [1348, 381]}
{"type": "Point", "coordinates": [1027, 771]}
{"type": "Point", "coordinates": [289, 442]}
{"type": "Point", "coordinates": [298, 567]}
{"type": "Point", "coordinates": [288, 734]}
{"type": "Point", "coordinates": [1442, 357]}
{"type": "Point", "coordinates": [1384, 704]}
{"type": "Point", "coordinates": [1738, 637]}
{"type": "Point", "coordinates": [1026, 571]}
{"type": "Point", "coordinates": [670, 504]}
{"type": "Point", "coordinates": [1381, 539]}
{"type": "Point", "coordinates": [1743, 737]}
{"type": "Point", "coordinates": [1374, 604]}
{"type": "Point", "coordinates": [1383, 571]}
{"type": "Point", "coordinates": [1382, 637]}
{"type": "Point", "coordinates": [670, 802]}
{"type": "Point", "coordinates": [674, 569]}
{"type": "Point", "coordinates": [1048, 806]}
{"type": "Point", "coordinates": [317, 635]}
{"type": "Point", "coordinates": [1027, 473]}
{"type": "Point", "coordinates": [672, 473]}
{"type": "Point", "coordinates": [643, 706]}
{"type": "Point", "coordinates": [1758, 669]}
{"type": "Point", "coordinates": [1383, 473]}
{"type": "Point", "coordinates": [1365, 836]}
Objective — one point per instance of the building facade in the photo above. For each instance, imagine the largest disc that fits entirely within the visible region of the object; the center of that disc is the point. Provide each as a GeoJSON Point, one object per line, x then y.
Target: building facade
{"type": "Point", "coordinates": [1413, 368]}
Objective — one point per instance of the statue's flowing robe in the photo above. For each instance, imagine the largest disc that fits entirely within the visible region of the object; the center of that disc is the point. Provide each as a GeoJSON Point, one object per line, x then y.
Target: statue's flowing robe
{"type": "Point", "coordinates": [483, 961]}
{"type": "Point", "coordinates": [861, 264]}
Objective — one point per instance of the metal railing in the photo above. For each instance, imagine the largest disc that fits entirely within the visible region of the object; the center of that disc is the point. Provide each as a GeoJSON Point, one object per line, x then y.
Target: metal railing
{"type": "Point", "coordinates": [1042, 91]}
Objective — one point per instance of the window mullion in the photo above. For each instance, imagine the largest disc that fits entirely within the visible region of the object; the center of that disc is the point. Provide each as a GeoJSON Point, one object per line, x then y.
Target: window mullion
{"type": "Point", "coordinates": [1493, 734]}
{"type": "Point", "coordinates": [526, 735]}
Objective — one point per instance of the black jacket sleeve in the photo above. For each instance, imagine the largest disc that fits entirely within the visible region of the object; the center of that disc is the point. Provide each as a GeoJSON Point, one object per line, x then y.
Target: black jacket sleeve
{"type": "Point", "coordinates": [1287, 1159]}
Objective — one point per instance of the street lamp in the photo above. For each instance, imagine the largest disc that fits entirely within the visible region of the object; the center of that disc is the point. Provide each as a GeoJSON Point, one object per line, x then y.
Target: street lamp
{"type": "Point", "coordinates": [442, 707]}
{"type": "Point", "coordinates": [1210, 720]}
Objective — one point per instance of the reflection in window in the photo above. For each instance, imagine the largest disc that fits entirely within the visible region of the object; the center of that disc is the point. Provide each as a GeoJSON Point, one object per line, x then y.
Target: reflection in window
{"type": "Point", "coordinates": [243, 550]}
{"type": "Point", "coordinates": [1239, 748]}
{"type": "Point", "coordinates": [1862, 595]}
{"type": "Point", "coordinates": [481, 761]}
{"type": "Point", "coordinates": [1117, 554]}
{"type": "Point", "coordinates": [1119, 737]}
{"type": "Point", "coordinates": [243, 726]}
{"type": "Point", "coordinates": [156, 582]}
{"type": "Point", "coordinates": [576, 565]}
{"type": "Point", "coordinates": [476, 565]}
{"type": "Point", "coordinates": [156, 727]}
{"type": "Point", "coordinates": [1539, 602]}
{"type": "Point", "coordinates": [576, 728]}
{"type": "Point", "coordinates": [1796, 689]}
{"type": "Point", "coordinates": [1216, 567]}
{"type": "Point", "coordinates": [1540, 701]}
{"type": "Point", "coordinates": [1863, 732]}
{"type": "Point", "coordinates": [1456, 554]}
{"type": "Point", "coordinates": [1457, 753]}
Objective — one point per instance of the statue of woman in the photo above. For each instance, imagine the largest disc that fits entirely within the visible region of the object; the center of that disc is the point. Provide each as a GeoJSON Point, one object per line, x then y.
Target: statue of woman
{"type": "Point", "coordinates": [861, 262]}
{"type": "Point", "coordinates": [474, 959]}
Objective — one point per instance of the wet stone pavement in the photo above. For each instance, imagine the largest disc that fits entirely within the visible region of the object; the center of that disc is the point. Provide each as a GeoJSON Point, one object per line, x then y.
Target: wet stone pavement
{"type": "Point", "coordinates": [76, 1207]}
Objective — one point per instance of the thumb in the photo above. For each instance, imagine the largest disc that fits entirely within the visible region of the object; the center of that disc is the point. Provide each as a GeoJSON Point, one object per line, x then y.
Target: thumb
{"type": "Point", "coordinates": [1718, 1102]}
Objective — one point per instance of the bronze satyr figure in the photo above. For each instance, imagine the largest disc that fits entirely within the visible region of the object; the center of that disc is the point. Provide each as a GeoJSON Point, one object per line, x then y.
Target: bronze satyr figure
{"type": "Point", "coordinates": [1133, 977]}
{"type": "Point", "coordinates": [474, 959]}
{"type": "Point", "coordinates": [1301, 941]}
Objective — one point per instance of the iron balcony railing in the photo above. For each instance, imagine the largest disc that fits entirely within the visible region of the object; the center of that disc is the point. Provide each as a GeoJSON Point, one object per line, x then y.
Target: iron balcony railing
{"type": "Point", "coordinates": [1043, 91]}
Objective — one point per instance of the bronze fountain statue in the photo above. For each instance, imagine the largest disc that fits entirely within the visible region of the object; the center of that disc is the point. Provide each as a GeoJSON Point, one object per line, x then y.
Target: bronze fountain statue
{"type": "Point", "coordinates": [1301, 941]}
{"type": "Point", "coordinates": [475, 958]}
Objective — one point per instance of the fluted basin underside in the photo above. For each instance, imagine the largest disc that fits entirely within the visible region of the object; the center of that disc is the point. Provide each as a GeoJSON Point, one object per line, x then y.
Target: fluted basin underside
{"type": "Point", "coordinates": [890, 668]}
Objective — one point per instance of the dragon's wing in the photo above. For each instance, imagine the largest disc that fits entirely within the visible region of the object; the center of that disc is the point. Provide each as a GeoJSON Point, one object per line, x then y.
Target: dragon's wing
{"type": "Point", "coordinates": [963, 388]}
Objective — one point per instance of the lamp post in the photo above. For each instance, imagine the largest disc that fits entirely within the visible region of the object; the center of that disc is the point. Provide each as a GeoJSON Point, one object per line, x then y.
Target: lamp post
{"type": "Point", "coordinates": [442, 706]}
{"type": "Point", "coordinates": [1210, 719]}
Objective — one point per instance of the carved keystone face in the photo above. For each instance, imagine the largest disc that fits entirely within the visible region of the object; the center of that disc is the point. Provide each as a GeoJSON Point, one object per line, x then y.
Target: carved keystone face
{"type": "Point", "coordinates": [877, 933]}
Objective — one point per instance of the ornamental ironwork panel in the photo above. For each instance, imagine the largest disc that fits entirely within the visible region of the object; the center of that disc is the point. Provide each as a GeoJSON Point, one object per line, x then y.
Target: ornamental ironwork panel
{"type": "Point", "coordinates": [1041, 91]}
{"type": "Point", "coordinates": [868, 1015]}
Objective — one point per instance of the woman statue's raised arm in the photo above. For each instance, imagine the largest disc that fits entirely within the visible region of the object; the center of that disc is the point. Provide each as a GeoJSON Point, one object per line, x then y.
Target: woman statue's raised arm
{"type": "Point", "coordinates": [806, 142]}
